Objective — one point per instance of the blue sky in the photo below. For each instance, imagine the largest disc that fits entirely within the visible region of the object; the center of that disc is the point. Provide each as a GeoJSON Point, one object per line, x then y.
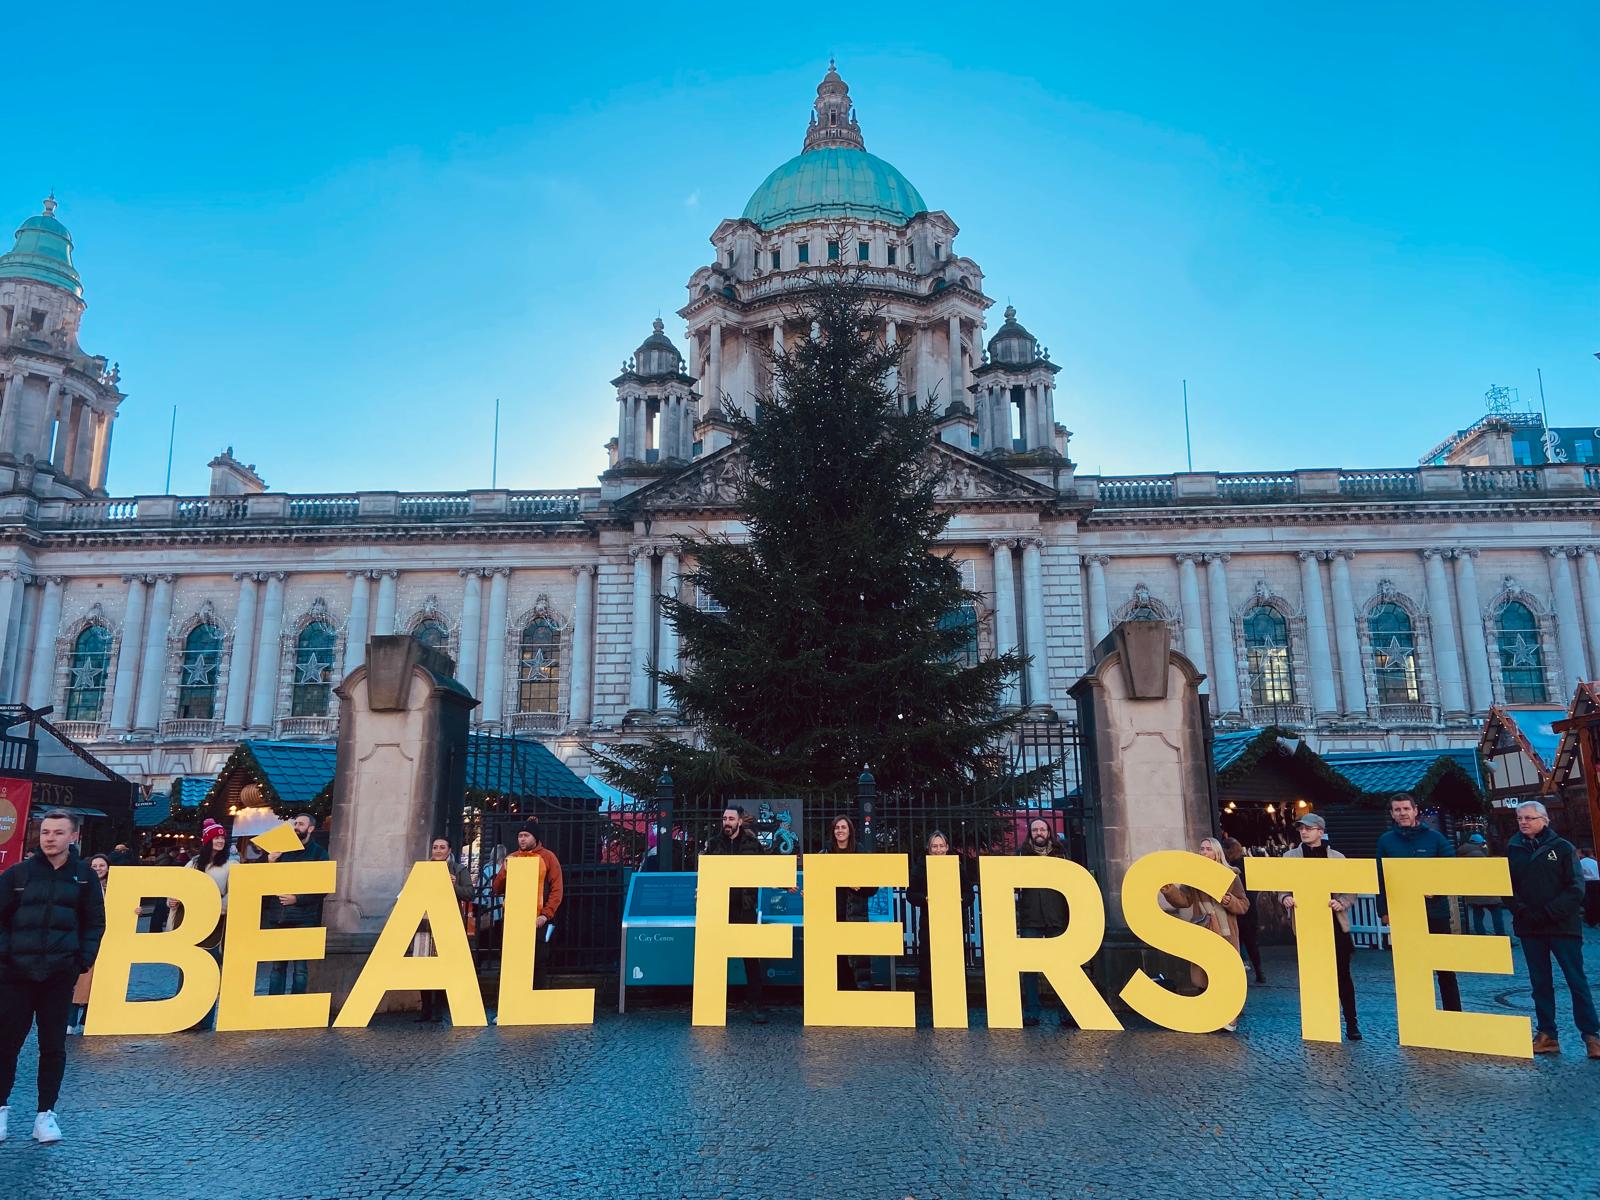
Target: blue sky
{"type": "Point", "coordinates": [332, 235]}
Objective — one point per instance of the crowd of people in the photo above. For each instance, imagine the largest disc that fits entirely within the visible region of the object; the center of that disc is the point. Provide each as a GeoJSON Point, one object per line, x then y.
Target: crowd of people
{"type": "Point", "coordinates": [52, 919]}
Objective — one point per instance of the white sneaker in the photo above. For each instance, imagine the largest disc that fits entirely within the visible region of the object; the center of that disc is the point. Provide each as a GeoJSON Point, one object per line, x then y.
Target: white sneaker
{"type": "Point", "coordinates": [5, 1112]}
{"type": "Point", "coordinates": [45, 1128]}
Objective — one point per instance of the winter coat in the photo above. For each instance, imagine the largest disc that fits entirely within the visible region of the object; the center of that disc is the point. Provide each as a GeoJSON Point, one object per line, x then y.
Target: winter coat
{"type": "Point", "coordinates": [1470, 849]}
{"type": "Point", "coordinates": [306, 911]}
{"type": "Point", "coordinates": [1546, 886]}
{"type": "Point", "coordinates": [1419, 841]}
{"type": "Point", "coordinates": [741, 901]}
{"type": "Point", "coordinates": [550, 882]}
{"type": "Point", "coordinates": [1235, 901]}
{"type": "Point", "coordinates": [1343, 917]}
{"type": "Point", "coordinates": [460, 880]}
{"type": "Point", "coordinates": [1041, 908]}
{"type": "Point", "coordinates": [51, 918]}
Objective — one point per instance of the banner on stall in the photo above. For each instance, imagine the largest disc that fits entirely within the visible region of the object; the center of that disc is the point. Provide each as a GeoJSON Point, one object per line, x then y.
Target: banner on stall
{"type": "Point", "coordinates": [16, 796]}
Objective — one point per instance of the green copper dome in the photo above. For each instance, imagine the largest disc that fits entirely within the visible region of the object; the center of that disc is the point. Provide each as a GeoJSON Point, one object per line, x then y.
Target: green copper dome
{"type": "Point", "coordinates": [834, 181]}
{"type": "Point", "coordinates": [43, 253]}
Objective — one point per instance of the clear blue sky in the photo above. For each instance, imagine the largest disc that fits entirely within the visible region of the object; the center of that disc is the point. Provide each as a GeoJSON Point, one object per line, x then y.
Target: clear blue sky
{"type": "Point", "coordinates": [333, 234]}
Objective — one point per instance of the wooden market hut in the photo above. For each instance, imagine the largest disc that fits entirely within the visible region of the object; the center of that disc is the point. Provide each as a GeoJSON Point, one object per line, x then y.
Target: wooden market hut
{"type": "Point", "coordinates": [1519, 747]}
{"type": "Point", "coordinates": [1571, 793]}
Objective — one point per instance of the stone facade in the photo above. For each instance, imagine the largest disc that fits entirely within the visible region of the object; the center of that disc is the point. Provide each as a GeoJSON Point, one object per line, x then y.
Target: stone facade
{"type": "Point", "coordinates": [1371, 608]}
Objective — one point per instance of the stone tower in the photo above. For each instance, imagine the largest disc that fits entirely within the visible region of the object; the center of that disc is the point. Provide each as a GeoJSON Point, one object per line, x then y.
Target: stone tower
{"type": "Point", "coordinates": [655, 406]}
{"type": "Point", "coordinates": [1015, 390]}
{"type": "Point", "coordinates": [57, 402]}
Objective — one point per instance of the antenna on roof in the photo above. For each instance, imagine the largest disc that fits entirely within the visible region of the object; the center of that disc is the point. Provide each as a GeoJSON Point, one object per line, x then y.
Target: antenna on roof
{"type": "Point", "coordinates": [494, 456]}
{"type": "Point", "coordinates": [172, 435]}
{"type": "Point", "coordinates": [1188, 446]}
{"type": "Point", "coordinates": [1543, 410]}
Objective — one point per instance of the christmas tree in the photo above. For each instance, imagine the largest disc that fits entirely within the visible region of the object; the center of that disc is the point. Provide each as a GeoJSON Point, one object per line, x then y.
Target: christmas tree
{"type": "Point", "coordinates": [841, 634]}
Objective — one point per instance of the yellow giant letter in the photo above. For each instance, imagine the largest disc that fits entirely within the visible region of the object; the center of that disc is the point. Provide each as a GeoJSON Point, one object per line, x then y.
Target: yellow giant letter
{"type": "Point", "coordinates": [1223, 999]}
{"type": "Point", "coordinates": [110, 1010]}
{"type": "Point", "coordinates": [519, 1003]}
{"type": "Point", "coordinates": [946, 923]}
{"type": "Point", "coordinates": [1408, 882]}
{"type": "Point", "coordinates": [1314, 882]}
{"type": "Point", "coordinates": [429, 894]}
{"type": "Point", "coordinates": [248, 945]}
{"type": "Point", "coordinates": [716, 940]}
{"type": "Point", "coordinates": [1060, 959]}
{"type": "Point", "coordinates": [827, 938]}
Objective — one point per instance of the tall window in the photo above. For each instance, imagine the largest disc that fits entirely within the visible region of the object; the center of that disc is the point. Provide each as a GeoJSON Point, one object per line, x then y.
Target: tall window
{"type": "Point", "coordinates": [197, 678]}
{"type": "Point", "coordinates": [313, 670]}
{"type": "Point", "coordinates": [1521, 659]}
{"type": "Point", "coordinates": [1266, 646]}
{"type": "Point", "coordinates": [803, 252]}
{"type": "Point", "coordinates": [432, 633]}
{"type": "Point", "coordinates": [964, 618]}
{"type": "Point", "coordinates": [833, 251]}
{"type": "Point", "coordinates": [539, 668]}
{"type": "Point", "coordinates": [1394, 655]}
{"type": "Point", "coordinates": [86, 685]}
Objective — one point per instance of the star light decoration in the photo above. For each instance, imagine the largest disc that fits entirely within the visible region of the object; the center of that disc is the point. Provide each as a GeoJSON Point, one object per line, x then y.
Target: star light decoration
{"type": "Point", "coordinates": [197, 671]}
{"type": "Point", "coordinates": [1396, 655]}
{"type": "Point", "coordinates": [88, 676]}
{"type": "Point", "coordinates": [536, 666]}
{"type": "Point", "coordinates": [311, 670]}
{"type": "Point", "coordinates": [1523, 652]}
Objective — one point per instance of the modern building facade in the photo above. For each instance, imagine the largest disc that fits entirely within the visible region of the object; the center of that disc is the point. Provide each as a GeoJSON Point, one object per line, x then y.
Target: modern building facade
{"type": "Point", "coordinates": [1372, 609]}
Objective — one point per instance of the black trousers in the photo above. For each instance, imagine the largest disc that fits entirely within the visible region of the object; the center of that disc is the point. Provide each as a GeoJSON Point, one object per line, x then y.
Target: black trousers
{"type": "Point", "coordinates": [23, 1003]}
{"type": "Point", "coordinates": [1343, 947]}
{"type": "Point", "coordinates": [755, 982]}
{"type": "Point", "coordinates": [1449, 990]}
{"type": "Point", "coordinates": [1249, 925]}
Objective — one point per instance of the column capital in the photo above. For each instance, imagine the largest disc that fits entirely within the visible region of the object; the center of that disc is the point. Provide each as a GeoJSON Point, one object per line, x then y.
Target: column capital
{"type": "Point", "coordinates": [1219, 556]}
{"type": "Point", "coordinates": [14, 575]}
{"type": "Point", "coordinates": [1433, 552]}
{"type": "Point", "coordinates": [242, 576]}
{"type": "Point", "coordinates": [1580, 551]}
{"type": "Point", "coordinates": [503, 572]}
{"type": "Point", "coordinates": [1559, 551]}
{"type": "Point", "coordinates": [279, 576]}
{"type": "Point", "coordinates": [1307, 555]}
{"type": "Point", "coordinates": [583, 569]}
{"type": "Point", "coordinates": [1188, 557]}
{"type": "Point", "coordinates": [469, 572]}
{"type": "Point", "coordinates": [1098, 560]}
{"type": "Point", "coordinates": [386, 573]}
{"type": "Point", "coordinates": [1002, 543]}
{"type": "Point", "coordinates": [638, 552]}
{"type": "Point", "coordinates": [1333, 555]}
{"type": "Point", "coordinates": [1034, 542]}
{"type": "Point", "coordinates": [165, 578]}
{"type": "Point", "coordinates": [136, 579]}
{"type": "Point", "coordinates": [1465, 552]}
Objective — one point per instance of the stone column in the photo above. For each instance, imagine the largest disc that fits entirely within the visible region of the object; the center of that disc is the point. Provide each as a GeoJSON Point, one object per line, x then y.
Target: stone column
{"type": "Point", "coordinates": [60, 406]}
{"type": "Point", "coordinates": [129, 651]}
{"type": "Point", "coordinates": [1323, 698]}
{"type": "Point", "coordinates": [1352, 680]}
{"type": "Point", "coordinates": [383, 619]}
{"type": "Point", "coordinates": [1194, 635]}
{"type": "Point", "coordinates": [890, 339]}
{"type": "Point", "coordinates": [494, 648]}
{"type": "Point", "coordinates": [236, 708]}
{"type": "Point", "coordinates": [713, 395]}
{"type": "Point", "coordinates": [667, 658]}
{"type": "Point", "coordinates": [777, 351]}
{"type": "Point", "coordinates": [1033, 622]}
{"type": "Point", "coordinates": [1225, 664]}
{"type": "Point", "coordinates": [1574, 666]}
{"type": "Point", "coordinates": [1099, 605]}
{"type": "Point", "coordinates": [471, 628]}
{"type": "Point", "coordinates": [9, 414]}
{"type": "Point", "coordinates": [1005, 614]}
{"type": "Point", "coordinates": [1047, 415]}
{"type": "Point", "coordinates": [102, 452]}
{"type": "Point", "coordinates": [264, 682]}
{"type": "Point", "coordinates": [1589, 566]}
{"type": "Point", "coordinates": [42, 679]}
{"type": "Point", "coordinates": [81, 451]}
{"type": "Point", "coordinates": [957, 391]}
{"type": "Point", "coordinates": [1030, 419]}
{"type": "Point", "coordinates": [11, 681]}
{"type": "Point", "coordinates": [582, 698]}
{"type": "Point", "coordinates": [8, 599]}
{"type": "Point", "coordinates": [355, 630]}
{"type": "Point", "coordinates": [153, 670]}
{"type": "Point", "coordinates": [1473, 643]}
{"type": "Point", "coordinates": [1441, 616]}
{"type": "Point", "coordinates": [643, 604]}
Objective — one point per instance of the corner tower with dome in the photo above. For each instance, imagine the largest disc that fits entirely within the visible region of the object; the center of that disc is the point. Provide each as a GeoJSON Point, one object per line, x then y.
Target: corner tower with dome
{"type": "Point", "coordinates": [56, 402]}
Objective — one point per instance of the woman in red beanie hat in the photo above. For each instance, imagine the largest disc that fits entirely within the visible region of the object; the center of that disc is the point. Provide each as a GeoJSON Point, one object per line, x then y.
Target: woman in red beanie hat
{"type": "Point", "coordinates": [214, 859]}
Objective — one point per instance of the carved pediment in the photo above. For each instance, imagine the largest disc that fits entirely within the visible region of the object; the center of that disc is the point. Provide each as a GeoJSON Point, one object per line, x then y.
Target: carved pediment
{"type": "Point", "coordinates": [713, 482]}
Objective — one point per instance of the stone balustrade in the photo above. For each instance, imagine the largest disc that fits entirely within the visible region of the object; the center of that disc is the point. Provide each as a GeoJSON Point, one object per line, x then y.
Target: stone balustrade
{"type": "Point", "coordinates": [354, 508]}
{"type": "Point", "coordinates": [1329, 484]}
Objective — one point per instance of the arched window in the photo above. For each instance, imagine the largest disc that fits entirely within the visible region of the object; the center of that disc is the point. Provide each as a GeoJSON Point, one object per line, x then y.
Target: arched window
{"type": "Point", "coordinates": [539, 668]}
{"type": "Point", "coordinates": [432, 633]}
{"type": "Point", "coordinates": [1521, 659]}
{"type": "Point", "coordinates": [1394, 655]}
{"type": "Point", "coordinates": [1266, 645]}
{"type": "Point", "coordinates": [313, 670]}
{"type": "Point", "coordinates": [86, 686]}
{"type": "Point", "coordinates": [197, 678]}
{"type": "Point", "coordinates": [964, 618]}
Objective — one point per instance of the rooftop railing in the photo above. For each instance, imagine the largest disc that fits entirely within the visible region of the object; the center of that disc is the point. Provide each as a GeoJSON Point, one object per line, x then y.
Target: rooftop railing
{"type": "Point", "coordinates": [1331, 484]}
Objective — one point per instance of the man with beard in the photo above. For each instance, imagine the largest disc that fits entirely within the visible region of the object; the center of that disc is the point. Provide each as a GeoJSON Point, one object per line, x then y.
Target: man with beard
{"type": "Point", "coordinates": [736, 837]}
{"type": "Point", "coordinates": [1041, 912]}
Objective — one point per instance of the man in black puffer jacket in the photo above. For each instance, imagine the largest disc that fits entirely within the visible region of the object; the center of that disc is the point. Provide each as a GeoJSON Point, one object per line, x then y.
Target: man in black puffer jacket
{"type": "Point", "coordinates": [1546, 891]}
{"type": "Point", "coordinates": [52, 917]}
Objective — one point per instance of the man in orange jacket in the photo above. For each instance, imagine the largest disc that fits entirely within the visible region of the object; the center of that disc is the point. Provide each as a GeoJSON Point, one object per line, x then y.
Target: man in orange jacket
{"type": "Point", "coordinates": [529, 845]}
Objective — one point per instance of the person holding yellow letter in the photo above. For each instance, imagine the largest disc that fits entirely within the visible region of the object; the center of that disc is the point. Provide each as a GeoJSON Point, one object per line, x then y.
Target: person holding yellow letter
{"type": "Point", "coordinates": [1219, 916]}
{"type": "Point", "coordinates": [1041, 913]}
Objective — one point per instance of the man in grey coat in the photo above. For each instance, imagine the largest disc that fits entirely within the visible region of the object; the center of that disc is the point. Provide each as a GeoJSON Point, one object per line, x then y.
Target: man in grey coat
{"type": "Point", "coordinates": [1313, 832]}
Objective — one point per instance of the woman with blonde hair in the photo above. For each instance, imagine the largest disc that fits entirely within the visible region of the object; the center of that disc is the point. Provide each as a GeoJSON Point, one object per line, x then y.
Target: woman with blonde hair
{"type": "Point", "coordinates": [1220, 916]}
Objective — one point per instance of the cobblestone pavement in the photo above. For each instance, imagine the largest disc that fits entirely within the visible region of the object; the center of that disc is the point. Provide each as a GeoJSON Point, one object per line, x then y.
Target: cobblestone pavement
{"type": "Point", "coordinates": [647, 1106]}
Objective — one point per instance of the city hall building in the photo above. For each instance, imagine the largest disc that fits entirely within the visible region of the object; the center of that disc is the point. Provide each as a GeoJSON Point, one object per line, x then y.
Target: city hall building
{"type": "Point", "coordinates": [1370, 609]}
